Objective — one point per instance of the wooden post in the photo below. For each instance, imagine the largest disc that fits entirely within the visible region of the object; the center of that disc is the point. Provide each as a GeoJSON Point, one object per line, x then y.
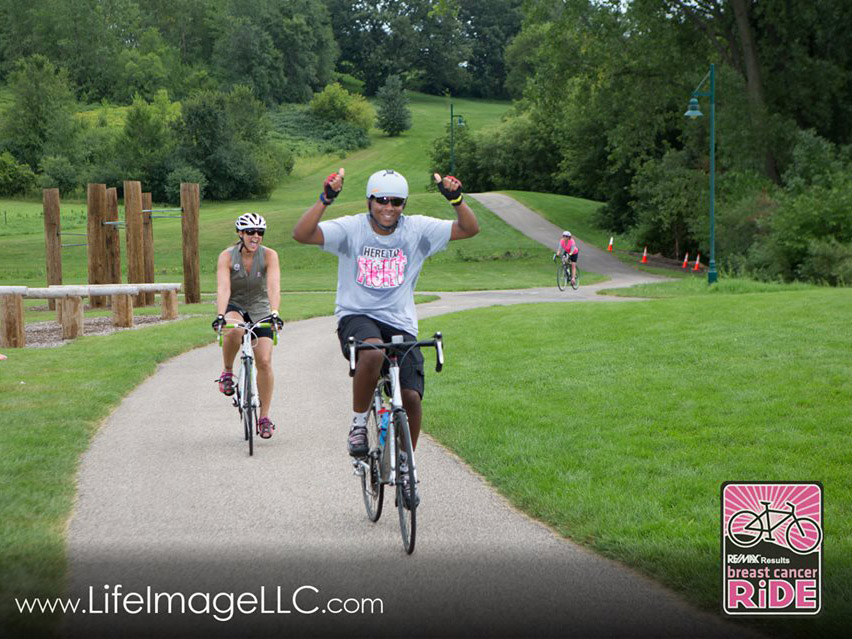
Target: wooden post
{"type": "Point", "coordinates": [190, 202]}
{"type": "Point", "coordinates": [52, 240]}
{"type": "Point", "coordinates": [12, 307]}
{"type": "Point", "coordinates": [96, 239]}
{"type": "Point", "coordinates": [72, 317]}
{"type": "Point", "coordinates": [112, 238]}
{"type": "Point", "coordinates": [170, 305]}
{"type": "Point", "coordinates": [133, 230]}
{"type": "Point", "coordinates": [122, 311]}
{"type": "Point", "coordinates": [148, 245]}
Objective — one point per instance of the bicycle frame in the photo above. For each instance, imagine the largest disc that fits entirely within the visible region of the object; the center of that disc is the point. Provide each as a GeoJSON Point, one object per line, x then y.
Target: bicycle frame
{"type": "Point", "coordinates": [248, 406]}
{"type": "Point", "coordinates": [396, 392]}
{"type": "Point", "coordinates": [769, 528]}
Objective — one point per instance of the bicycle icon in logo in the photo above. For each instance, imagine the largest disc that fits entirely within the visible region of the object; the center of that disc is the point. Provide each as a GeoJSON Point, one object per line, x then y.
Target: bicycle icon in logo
{"type": "Point", "coordinates": [746, 527]}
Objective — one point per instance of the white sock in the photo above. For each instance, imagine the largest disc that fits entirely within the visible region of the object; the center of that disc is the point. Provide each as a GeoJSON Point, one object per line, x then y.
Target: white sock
{"type": "Point", "coordinates": [360, 419]}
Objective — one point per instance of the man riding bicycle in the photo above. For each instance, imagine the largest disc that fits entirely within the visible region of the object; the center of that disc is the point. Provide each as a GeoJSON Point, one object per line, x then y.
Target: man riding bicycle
{"type": "Point", "coordinates": [380, 255]}
{"type": "Point", "coordinates": [568, 251]}
{"type": "Point", "coordinates": [248, 289]}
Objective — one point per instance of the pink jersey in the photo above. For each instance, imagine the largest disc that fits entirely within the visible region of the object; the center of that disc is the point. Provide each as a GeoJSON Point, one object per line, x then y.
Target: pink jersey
{"type": "Point", "coordinates": [569, 246]}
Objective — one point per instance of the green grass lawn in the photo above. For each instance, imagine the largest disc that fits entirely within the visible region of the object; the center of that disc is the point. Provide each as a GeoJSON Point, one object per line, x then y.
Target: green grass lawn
{"type": "Point", "coordinates": [621, 436]}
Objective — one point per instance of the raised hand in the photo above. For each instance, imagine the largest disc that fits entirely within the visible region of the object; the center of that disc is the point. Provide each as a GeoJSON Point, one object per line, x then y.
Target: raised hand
{"type": "Point", "coordinates": [450, 187]}
{"type": "Point", "coordinates": [332, 187]}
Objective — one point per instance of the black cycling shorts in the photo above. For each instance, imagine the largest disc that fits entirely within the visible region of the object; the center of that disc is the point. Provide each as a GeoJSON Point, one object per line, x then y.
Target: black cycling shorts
{"type": "Point", "coordinates": [265, 331]}
{"type": "Point", "coordinates": [572, 257]}
{"type": "Point", "coordinates": [361, 327]}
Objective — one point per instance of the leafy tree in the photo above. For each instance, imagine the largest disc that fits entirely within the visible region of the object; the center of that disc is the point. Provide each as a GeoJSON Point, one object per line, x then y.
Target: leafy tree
{"type": "Point", "coordinates": [145, 149]}
{"type": "Point", "coordinates": [39, 120]}
{"type": "Point", "coordinates": [226, 152]}
{"type": "Point", "coordinates": [246, 54]}
{"type": "Point", "coordinates": [488, 25]}
{"type": "Point", "coordinates": [145, 69]}
{"type": "Point", "coordinates": [299, 40]}
{"type": "Point", "coordinates": [394, 116]}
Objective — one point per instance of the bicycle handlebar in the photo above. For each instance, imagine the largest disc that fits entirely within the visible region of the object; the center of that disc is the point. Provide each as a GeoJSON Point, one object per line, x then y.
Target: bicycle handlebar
{"type": "Point", "coordinates": [397, 346]}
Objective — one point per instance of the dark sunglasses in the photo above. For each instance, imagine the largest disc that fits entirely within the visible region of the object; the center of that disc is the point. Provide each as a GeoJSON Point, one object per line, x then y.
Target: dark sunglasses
{"type": "Point", "coordinates": [254, 231]}
{"type": "Point", "coordinates": [395, 201]}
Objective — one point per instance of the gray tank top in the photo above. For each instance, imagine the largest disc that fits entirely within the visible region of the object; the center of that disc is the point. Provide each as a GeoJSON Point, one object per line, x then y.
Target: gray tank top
{"type": "Point", "coordinates": [248, 289]}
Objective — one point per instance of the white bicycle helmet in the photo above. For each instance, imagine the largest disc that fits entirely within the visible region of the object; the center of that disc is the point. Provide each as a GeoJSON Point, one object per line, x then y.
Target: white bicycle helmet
{"type": "Point", "coordinates": [250, 221]}
{"type": "Point", "coordinates": [566, 233]}
{"type": "Point", "coordinates": [387, 183]}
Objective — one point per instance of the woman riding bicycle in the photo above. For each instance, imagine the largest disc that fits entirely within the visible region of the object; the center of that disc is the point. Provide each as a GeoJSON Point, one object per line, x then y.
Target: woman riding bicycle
{"type": "Point", "coordinates": [248, 289]}
{"type": "Point", "coordinates": [380, 255]}
{"type": "Point", "coordinates": [569, 251]}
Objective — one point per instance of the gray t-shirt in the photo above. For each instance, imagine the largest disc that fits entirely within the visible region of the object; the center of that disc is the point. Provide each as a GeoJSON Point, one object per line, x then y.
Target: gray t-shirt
{"type": "Point", "coordinates": [376, 274]}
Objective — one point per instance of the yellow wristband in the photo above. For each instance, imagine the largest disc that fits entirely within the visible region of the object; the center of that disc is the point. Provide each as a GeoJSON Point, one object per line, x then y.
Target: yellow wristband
{"type": "Point", "coordinates": [457, 201]}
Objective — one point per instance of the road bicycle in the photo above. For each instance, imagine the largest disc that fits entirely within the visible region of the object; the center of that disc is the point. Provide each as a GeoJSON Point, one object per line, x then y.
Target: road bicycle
{"type": "Point", "coordinates": [563, 275]}
{"type": "Point", "coordinates": [246, 398]}
{"type": "Point", "coordinates": [746, 528]}
{"type": "Point", "coordinates": [389, 438]}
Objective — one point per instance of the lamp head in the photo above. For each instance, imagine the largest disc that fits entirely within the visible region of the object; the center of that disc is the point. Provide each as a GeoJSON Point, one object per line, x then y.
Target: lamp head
{"type": "Point", "coordinates": [693, 111]}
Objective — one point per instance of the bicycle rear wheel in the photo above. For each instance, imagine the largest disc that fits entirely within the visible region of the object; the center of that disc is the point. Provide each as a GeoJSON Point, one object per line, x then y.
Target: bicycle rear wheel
{"type": "Point", "coordinates": [561, 279]}
{"type": "Point", "coordinates": [249, 413]}
{"type": "Point", "coordinates": [406, 502]}
{"type": "Point", "coordinates": [372, 488]}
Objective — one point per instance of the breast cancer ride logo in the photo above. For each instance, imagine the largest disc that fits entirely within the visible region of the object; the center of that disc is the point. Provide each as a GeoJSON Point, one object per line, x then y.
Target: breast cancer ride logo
{"type": "Point", "coordinates": [772, 535]}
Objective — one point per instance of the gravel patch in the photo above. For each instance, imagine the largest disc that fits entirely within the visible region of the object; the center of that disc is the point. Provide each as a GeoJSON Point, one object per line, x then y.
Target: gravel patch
{"type": "Point", "coordinates": [49, 334]}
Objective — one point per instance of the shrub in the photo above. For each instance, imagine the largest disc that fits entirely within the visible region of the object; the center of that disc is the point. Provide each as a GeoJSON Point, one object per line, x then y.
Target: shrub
{"type": "Point", "coordinates": [15, 178]}
{"type": "Point", "coordinates": [183, 173]}
{"type": "Point", "coordinates": [336, 104]}
{"type": "Point", "coordinates": [59, 172]}
{"type": "Point", "coordinates": [828, 261]}
{"type": "Point", "coordinates": [306, 134]}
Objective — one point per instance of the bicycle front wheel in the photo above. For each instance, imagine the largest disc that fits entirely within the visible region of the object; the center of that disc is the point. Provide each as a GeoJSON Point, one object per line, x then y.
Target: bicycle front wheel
{"type": "Point", "coordinates": [372, 488]}
{"type": "Point", "coordinates": [249, 414]}
{"type": "Point", "coordinates": [561, 279]}
{"type": "Point", "coordinates": [406, 492]}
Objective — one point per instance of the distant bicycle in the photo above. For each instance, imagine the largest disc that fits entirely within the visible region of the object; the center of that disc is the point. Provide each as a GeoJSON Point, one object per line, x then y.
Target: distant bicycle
{"type": "Point", "coordinates": [563, 275]}
{"type": "Point", "coordinates": [746, 528]}
{"type": "Point", "coordinates": [390, 460]}
{"type": "Point", "coordinates": [246, 398]}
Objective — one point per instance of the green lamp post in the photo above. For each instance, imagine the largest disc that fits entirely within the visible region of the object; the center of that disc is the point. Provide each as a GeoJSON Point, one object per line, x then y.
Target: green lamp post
{"type": "Point", "coordinates": [455, 120]}
{"type": "Point", "coordinates": [694, 112]}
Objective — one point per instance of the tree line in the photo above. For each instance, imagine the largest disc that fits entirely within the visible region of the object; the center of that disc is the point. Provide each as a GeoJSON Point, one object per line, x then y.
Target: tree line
{"type": "Point", "coordinates": [284, 50]}
{"type": "Point", "coordinates": [602, 87]}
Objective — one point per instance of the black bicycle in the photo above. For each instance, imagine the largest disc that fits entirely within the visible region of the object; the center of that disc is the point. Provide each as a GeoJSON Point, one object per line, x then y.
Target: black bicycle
{"type": "Point", "coordinates": [390, 456]}
{"type": "Point", "coordinates": [246, 398]}
{"type": "Point", "coordinates": [563, 275]}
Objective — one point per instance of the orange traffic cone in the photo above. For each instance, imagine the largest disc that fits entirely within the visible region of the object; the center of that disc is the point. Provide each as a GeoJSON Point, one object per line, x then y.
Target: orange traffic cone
{"type": "Point", "coordinates": [609, 248]}
{"type": "Point", "coordinates": [697, 266]}
{"type": "Point", "coordinates": [685, 260]}
{"type": "Point", "coordinates": [644, 259]}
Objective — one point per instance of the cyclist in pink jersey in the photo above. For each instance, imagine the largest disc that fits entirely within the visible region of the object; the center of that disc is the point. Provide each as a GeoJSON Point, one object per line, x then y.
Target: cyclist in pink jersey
{"type": "Point", "coordinates": [568, 251]}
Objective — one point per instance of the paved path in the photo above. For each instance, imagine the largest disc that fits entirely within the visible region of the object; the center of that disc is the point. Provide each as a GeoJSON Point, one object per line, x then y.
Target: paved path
{"type": "Point", "coordinates": [169, 499]}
